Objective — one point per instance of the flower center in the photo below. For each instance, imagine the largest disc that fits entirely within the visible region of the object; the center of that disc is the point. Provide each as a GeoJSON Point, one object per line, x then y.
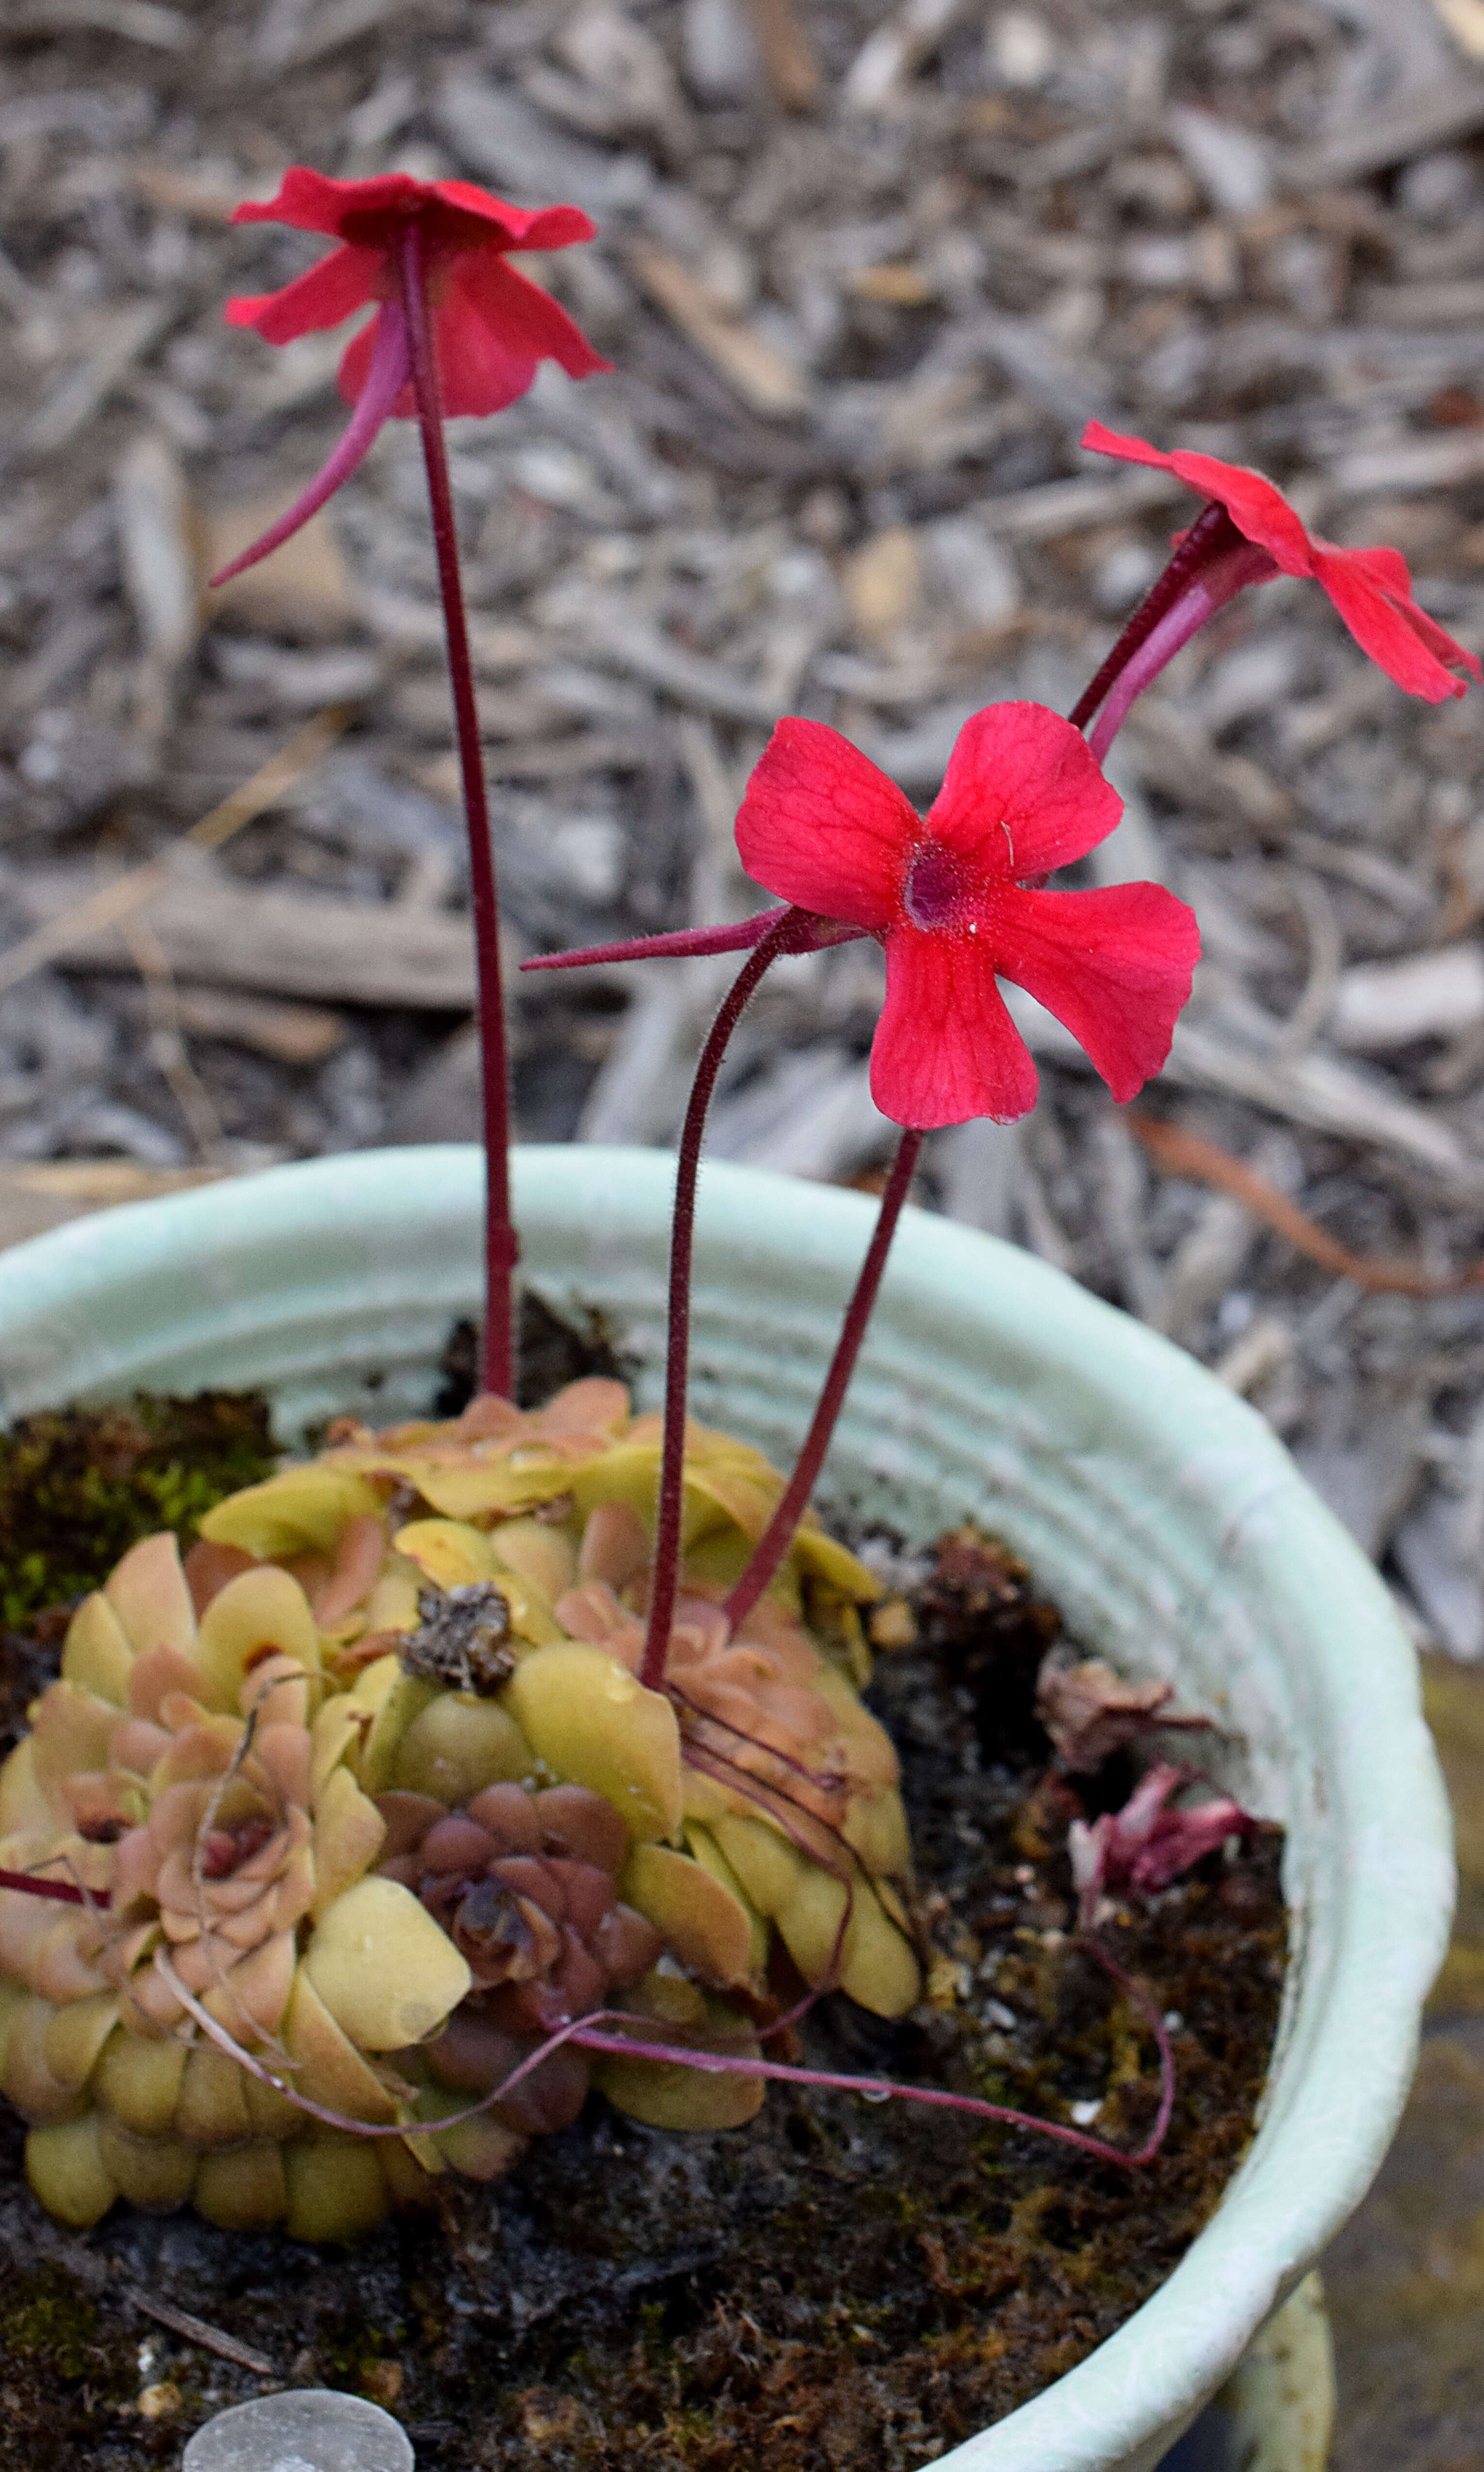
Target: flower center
{"type": "Point", "coordinates": [936, 884]}
{"type": "Point", "coordinates": [225, 1850]}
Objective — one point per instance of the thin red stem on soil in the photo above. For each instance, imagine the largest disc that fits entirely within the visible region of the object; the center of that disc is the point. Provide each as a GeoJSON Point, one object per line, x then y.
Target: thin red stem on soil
{"type": "Point", "coordinates": [1154, 2018]}
{"type": "Point", "coordinates": [665, 1582]}
{"type": "Point", "coordinates": [778, 1535]}
{"type": "Point", "coordinates": [1210, 537]}
{"type": "Point", "coordinates": [501, 1249]}
{"type": "Point", "coordinates": [587, 2034]}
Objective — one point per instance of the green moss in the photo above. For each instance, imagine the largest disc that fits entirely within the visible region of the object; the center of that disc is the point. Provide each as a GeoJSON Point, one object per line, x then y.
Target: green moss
{"type": "Point", "coordinates": [347, 2357]}
{"type": "Point", "coordinates": [77, 1488]}
{"type": "Point", "coordinates": [49, 2321]}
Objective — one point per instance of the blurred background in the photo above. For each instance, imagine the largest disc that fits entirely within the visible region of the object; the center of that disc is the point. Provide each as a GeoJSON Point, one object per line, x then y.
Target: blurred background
{"type": "Point", "coordinates": [865, 273]}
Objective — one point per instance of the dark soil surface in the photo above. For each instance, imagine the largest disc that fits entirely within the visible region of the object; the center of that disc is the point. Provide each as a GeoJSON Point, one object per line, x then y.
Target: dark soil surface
{"type": "Point", "coordinates": [843, 2283]}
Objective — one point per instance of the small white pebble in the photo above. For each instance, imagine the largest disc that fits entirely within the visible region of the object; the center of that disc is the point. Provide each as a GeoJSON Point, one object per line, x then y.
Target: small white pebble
{"type": "Point", "coordinates": [1084, 2114]}
{"type": "Point", "coordinates": [1022, 48]}
{"type": "Point", "coordinates": [1174, 2021]}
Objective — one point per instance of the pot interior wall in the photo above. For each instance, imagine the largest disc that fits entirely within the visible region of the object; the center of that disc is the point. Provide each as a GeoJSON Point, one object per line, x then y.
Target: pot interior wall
{"type": "Point", "coordinates": [1158, 1511]}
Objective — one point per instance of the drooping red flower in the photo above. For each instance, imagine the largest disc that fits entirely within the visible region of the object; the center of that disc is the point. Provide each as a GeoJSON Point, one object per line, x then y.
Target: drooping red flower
{"type": "Point", "coordinates": [491, 326]}
{"type": "Point", "coordinates": [953, 897]}
{"type": "Point", "coordinates": [1371, 588]}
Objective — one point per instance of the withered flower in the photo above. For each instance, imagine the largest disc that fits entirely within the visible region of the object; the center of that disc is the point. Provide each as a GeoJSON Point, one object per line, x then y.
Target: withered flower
{"type": "Point", "coordinates": [1090, 1712]}
{"type": "Point", "coordinates": [1148, 1843]}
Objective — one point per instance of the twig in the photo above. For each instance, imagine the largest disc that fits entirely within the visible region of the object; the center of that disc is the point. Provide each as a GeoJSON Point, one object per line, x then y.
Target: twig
{"type": "Point", "coordinates": [195, 2330]}
{"type": "Point", "coordinates": [162, 1005]}
{"type": "Point", "coordinates": [788, 61]}
{"type": "Point", "coordinates": [1184, 1153]}
{"type": "Point", "coordinates": [261, 790]}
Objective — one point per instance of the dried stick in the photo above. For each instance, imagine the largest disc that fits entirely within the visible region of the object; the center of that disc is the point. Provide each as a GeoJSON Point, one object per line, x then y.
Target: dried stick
{"type": "Point", "coordinates": [1180, 1152]}
{"type": "Point", "coordinates": [115, 901]}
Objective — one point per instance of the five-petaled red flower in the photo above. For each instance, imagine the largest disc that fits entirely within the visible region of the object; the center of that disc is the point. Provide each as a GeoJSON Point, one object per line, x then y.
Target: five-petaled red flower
{"type": "Point", "coordinates": [956, 897]}
{"type": "Point", "coordinates": [491, 326]}
{"type": "Point", "coordinates": [952, 896]}
{"type": "Point", "coordinates": [1371, 588]}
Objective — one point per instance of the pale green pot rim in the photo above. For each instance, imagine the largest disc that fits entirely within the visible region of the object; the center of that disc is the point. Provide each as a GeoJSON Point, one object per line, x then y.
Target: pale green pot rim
{"type": "Point", "coordinates": [1159, 1508]}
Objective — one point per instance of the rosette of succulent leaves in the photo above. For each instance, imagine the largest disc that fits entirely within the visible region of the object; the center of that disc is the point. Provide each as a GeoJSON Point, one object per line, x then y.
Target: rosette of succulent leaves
{"type": "Point", "coordinates": [350, 1819]}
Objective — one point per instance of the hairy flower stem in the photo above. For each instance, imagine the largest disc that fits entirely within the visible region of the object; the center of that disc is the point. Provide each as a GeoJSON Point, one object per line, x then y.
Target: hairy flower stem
{"type": "Point", "coordinates": [501, 1249]}
{"type": "Point", "coordinates": [666, 1579]}
{"type": "Point", "coordinates": [778, 1535]}
{"type": "Point", "coordinates": [1210, 537]}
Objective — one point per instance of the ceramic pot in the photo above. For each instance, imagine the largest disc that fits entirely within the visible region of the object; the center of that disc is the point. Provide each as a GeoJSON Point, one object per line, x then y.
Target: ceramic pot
{"type": "Point", "coordinates": [1157, 1510]}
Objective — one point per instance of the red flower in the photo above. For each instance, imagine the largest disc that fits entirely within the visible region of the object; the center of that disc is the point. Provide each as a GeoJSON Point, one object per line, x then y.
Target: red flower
{"type": "Point", "coordinates": [1371, 588]}
{"type": "Point", "coordinates": [491, 326]}
{"type": "Point", "coordinates": [952, 897]}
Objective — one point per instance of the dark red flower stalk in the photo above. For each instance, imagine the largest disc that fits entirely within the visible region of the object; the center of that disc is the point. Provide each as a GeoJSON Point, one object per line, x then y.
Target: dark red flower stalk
{"type": "Point", "coordinates": [590, 2036]}
{"type": "Point", "coordinates": [671, 1506]}
{"type": "Point", "coordinates": [457, 330]}
{"type": "Point", "coordinates": [778, 1535]}
{"type": "Point", "coordinates": [603, 2030]}
{"type": "Point", "coordinates": [62, 1892]}
{"type": "Point", "coordinates": [1248, 534]}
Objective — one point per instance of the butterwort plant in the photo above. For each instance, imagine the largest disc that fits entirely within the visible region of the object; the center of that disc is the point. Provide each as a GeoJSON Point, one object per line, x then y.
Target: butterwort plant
{"type": "Point", "coordinates": [474, 1762]}
{"type": "Point", "coordinates": [958, 898]}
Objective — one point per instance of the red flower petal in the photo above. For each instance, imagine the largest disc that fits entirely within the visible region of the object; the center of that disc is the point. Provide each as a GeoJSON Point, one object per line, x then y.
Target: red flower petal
{"type": "Point", "coordinates": [1257, 507]}
{"type": "Point", "coordinates": [945, 1047]}
{"type": "Point", "coordinates": [1022, 794]}
{"type": "Point", "coordinates": [1408, 645]}
{"type": "Point", "coordinates": [483, 361]}
{"type": "Point", "coordinates": [323, 295]}
{"type": "Point", "coordinates": [493, 326]}
{"type": "Point", "coordinates": [311, 202]}
{"type": "Point", "coordinates": [1371, 588]}
{"type": "Point", "coordinates": [821, 826]}
{"type": "Point", "coordinates": [1114, 966]}
{"type": "Point", "coordinates": [526, 226]}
